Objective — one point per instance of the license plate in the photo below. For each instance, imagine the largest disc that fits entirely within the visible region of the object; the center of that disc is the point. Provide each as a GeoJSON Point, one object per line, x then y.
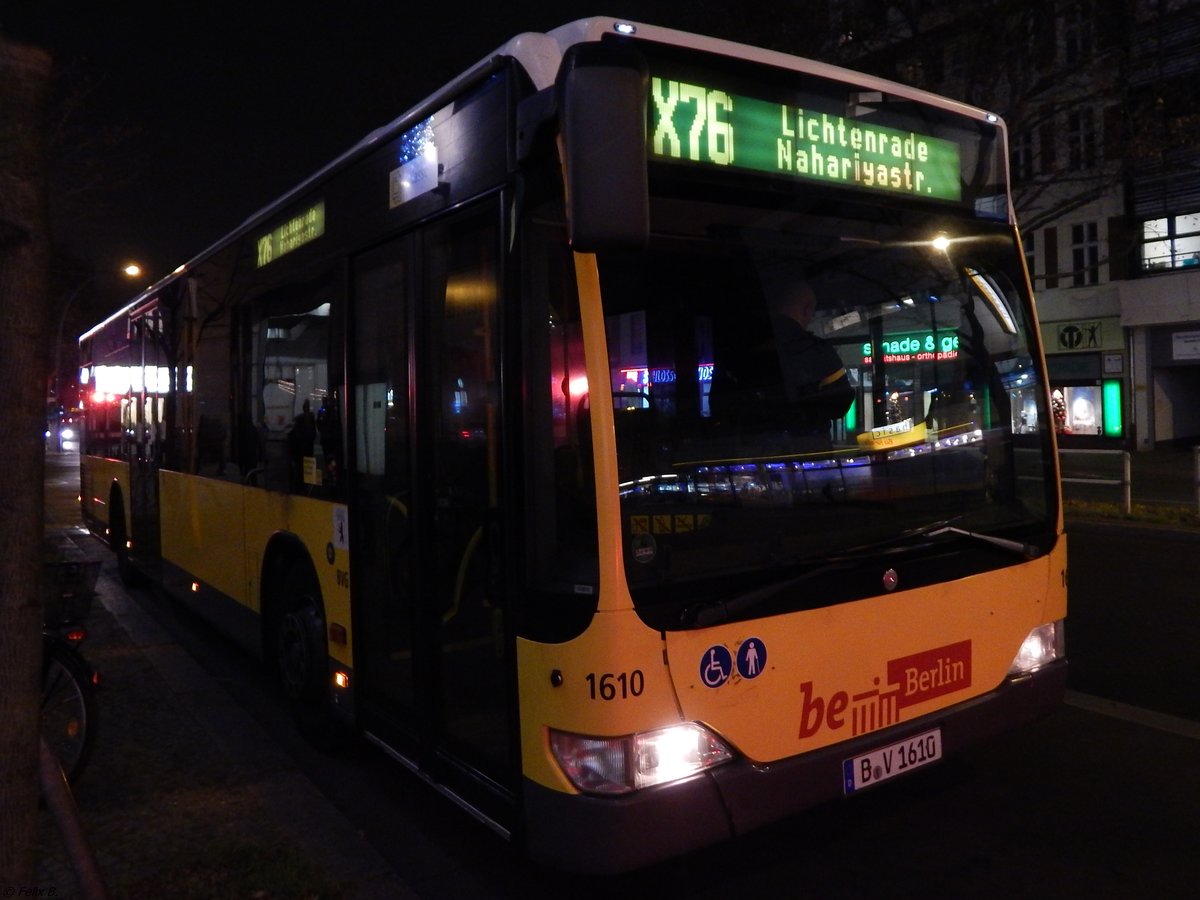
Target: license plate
{"type": "Point", "coordinates": [878, 766]}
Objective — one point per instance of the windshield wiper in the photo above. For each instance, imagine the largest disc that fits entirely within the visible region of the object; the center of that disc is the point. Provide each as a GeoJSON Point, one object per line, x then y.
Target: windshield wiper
{"type": "Point", "coordinates": [947, 526]}
{"type": "Point", "coordinates": [713, 612]}
{"type": "Point", "coordinates": [1022, 549]}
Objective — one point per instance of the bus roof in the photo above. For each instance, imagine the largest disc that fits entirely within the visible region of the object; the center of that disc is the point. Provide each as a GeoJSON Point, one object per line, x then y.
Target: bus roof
{"type": "Point", "coordinates": [594, 29]}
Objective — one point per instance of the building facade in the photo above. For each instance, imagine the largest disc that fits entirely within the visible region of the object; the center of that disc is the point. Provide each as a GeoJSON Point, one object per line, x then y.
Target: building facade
{"type": "Point", "coordinates": [1102, 99]}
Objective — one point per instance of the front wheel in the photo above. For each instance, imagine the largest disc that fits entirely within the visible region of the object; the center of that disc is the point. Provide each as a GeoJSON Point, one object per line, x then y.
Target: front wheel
{"type": "Point", "coordinates": [68, 707]}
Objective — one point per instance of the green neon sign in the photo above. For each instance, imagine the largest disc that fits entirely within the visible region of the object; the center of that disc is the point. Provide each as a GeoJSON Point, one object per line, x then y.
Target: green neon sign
{"type": "Point", "coordinates": [851, 417]}
{"type": "Point", "coordinates": [292, 234]}
{"type": "Point", "coordinates": [1111, 398]}
{"type": "Point", "coordinates": [712, 127]}
{"type": "Point", "coordinates": [920, 347]}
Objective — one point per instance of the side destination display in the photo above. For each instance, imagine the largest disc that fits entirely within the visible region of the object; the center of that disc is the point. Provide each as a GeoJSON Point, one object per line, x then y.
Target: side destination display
{"type": "Point", "coordinates": [712, 127]}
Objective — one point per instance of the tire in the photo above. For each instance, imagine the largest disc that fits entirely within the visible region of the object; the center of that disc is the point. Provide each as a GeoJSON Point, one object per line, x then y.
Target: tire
{"type": "Point", "coordinates": [302, 660]}
{"type": "Point", "coordinates": [118, 540]}
{"type": "Point", "coordinates": [69, 708]}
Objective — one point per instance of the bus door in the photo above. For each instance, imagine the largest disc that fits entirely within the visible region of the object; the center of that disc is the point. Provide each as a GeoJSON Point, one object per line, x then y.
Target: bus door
{"type": "Point", "coordinates": [432, 655]}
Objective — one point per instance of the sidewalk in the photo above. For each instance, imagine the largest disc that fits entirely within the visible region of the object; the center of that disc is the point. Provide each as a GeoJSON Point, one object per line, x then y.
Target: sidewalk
{"type": "Point", "coordinates": [185, 795]}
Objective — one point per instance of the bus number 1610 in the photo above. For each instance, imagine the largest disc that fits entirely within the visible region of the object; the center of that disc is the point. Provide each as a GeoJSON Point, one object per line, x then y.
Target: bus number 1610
{"type": "Point", "coordinates": [621, 686]}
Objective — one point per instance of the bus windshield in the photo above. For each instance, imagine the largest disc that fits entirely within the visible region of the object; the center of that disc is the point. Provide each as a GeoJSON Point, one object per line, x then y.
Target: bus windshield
{"type": "Point", "coordinates": [788, 386]}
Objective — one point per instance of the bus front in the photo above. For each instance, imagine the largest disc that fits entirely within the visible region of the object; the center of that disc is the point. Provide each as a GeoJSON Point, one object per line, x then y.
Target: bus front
{"type": "Point", "coordinates": [798, 465]}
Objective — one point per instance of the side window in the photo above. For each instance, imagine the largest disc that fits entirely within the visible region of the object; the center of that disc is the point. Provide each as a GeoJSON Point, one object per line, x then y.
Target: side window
{"type": "Point", "coordinates": [460, 393]}
{"type": "Point", "coordinates": [290, 433]}
{"type": "Point", "coordinates": [210, 395]}
{"type": "Point", "coordinates": [462, 284]}
{"type": "Point", "coordinates": [560, 482]}
{"type": "Point", "coordinates": [107, 388]}
{"type": "Point", "coordinates": [127, 388]}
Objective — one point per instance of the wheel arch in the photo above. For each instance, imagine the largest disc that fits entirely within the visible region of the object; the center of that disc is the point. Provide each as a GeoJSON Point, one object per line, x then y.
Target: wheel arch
{"type": "Point", "coordinates": [284, 552]}
{"type": "Point", "coordinates": [295, 640]}
{"type": "Point", "coordinates": [117, 532]}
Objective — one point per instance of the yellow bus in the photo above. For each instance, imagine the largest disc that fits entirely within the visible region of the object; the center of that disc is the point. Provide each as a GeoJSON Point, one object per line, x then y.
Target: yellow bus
{"type": "Point", "coordinates": [642, 438]}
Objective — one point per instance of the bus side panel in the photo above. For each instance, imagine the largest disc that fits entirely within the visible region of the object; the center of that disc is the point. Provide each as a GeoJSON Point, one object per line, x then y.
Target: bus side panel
{"type": "Point", "coordinates": [781, 686]}
{"type": "Point", "coordinates": [97, 476]}
{"type": "Point", "coordinates": [218, 532]}
{"type": "Point", "coordinates": [321, 527]}
{"type": "Point", "coordinates": [202, 532]}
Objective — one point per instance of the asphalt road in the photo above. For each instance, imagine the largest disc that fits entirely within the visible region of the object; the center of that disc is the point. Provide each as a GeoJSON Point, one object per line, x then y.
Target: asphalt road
{"type": "Point", "coordinates": [1133, 628]}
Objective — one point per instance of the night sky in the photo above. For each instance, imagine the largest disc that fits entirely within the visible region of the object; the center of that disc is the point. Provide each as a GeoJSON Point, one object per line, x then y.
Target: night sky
{"type": "Point", "coordinates": [178, 120]}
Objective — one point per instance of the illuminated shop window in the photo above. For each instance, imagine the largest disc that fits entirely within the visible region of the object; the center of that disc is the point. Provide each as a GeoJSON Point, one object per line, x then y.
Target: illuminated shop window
{"type": "Point", "coordinates": [1088, 409]}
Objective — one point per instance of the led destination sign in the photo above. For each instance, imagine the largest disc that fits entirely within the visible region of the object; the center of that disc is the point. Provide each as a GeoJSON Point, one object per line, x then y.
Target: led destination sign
{"type": "Point", "coordinates": [295, 232]}
{"type": "Point", "coordinates": [712, 127]}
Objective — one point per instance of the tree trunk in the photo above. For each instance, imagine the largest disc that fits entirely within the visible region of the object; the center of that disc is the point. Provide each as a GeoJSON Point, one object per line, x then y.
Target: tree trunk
{"type": "Point", "coordinates": [24, 255]}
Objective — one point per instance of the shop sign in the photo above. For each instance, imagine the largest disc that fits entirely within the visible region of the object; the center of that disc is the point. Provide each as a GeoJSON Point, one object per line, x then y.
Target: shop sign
{"type": "Point", "coordinates": [922, 347]}
{"type": "Point", "coordinates": [1083, 335]}
{"type": "Point", "coordinates": [1185, 345]}
{"type": "Point", "coordinates": [1080, 336]}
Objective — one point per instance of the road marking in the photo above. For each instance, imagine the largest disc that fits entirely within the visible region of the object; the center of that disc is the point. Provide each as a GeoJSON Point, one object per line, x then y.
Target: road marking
{"type": "Point", "coordinates": [1135, 714]}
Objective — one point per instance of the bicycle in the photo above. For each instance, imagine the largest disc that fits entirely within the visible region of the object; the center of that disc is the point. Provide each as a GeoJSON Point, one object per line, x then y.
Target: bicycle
{"type": "Point", "coordinates": [69, 707]}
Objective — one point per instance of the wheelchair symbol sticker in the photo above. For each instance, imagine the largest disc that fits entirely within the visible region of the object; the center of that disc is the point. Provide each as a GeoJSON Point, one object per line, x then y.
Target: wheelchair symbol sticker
{"type": "Point", "coordinates": [716, 666]}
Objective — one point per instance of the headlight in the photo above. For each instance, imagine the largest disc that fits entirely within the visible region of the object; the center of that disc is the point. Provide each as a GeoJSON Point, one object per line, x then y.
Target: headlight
{"type": "Point", "coordinates": [1043, 645]}
{"type": "Point", "coordinates": [631, 762]}
{"type": "Point", "coordinates": [68, 434]}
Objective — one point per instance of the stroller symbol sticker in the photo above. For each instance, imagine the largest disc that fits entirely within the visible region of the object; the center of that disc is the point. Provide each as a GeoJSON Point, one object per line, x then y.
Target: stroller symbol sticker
{"type": "Point", "coordinates": [716, 666]}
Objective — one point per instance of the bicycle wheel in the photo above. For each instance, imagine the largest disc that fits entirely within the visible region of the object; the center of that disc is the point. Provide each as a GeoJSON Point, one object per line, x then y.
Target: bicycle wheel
{"type": "Point", "coordinates": [68, 707]}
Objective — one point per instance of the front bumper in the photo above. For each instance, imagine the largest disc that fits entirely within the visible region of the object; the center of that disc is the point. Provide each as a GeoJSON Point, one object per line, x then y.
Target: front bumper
{"type": "Point", "coordinates": [610, 835]}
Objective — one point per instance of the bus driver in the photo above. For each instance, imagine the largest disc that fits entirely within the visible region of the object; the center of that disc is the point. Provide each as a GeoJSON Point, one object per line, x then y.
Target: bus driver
{"type": "Point", "coordinates": [786, 378]}
{"type": "Point", "coordinates": [814, 379]}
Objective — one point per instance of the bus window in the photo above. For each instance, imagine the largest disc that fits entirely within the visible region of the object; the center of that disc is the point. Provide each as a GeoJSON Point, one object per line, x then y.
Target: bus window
{"type": "Point", "coordinates": [291, 389]}
{"type": "Point", "coordinates": [211, 399]}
